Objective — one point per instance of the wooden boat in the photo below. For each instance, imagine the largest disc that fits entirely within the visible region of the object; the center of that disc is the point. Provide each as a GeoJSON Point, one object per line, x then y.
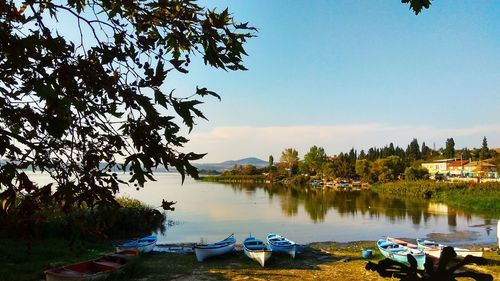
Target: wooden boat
{"type": "Point", "coordinates": [124, 254]}
{"type": "Point", "coordinates": [399, 253]}
{"type": "Point", "coordinates": [97, 269]}
{"type": "Point", "coordinates": [434, 249]}
{"type": "Point", "coordinates": [257, 250]}
{"type": "Point", "coordinates": [279, 243]}
{"type": "Point", "coordinates": [402, 243]}
{"type": "Point", "coordinates": [204, 251]}
{"type": "Point", "coordinates": [143, 245]}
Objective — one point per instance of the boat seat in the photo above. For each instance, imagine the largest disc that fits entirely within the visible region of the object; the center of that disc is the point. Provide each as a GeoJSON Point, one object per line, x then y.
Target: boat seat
{"type": "Point", "coordinates": [394, 250]}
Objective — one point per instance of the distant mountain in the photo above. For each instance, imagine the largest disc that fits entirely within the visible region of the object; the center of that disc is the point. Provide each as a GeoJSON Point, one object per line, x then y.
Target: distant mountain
{"type": "Point", "coordinates": [230, 164]}
{"type": "Point", "coordinates": [206, 166]}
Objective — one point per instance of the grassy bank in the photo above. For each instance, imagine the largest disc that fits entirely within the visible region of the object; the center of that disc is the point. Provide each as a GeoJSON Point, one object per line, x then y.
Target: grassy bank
{"type": "Point", "coordinates": [131, 218]}
{"type": "Point", "coordinates": [318, 261]}
{"type": "Point", "coordinates": [63, 238]}
{"type": "Point", "coordinates": [478, 198]}
{"type": "Point", "coordinates": [22, 261]}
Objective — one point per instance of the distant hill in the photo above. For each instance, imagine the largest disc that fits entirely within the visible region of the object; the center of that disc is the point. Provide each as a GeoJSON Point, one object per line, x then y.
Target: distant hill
{"type": "Point", "coordinates": [208, 166]}
{"type": "Point", "coordinates": [230, 164]}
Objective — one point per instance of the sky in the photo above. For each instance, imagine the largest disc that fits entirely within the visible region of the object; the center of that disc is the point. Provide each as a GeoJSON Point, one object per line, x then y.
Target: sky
{"type": "Point", "coordinates": [351, 74]}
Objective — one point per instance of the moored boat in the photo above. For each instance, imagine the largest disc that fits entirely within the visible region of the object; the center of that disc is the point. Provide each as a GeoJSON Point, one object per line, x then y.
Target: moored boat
{"type": "Point", "coordinates": [97, 269]}
{"type": "Point", "coordinates": [204, 251]}
{"type": "Point", "coordinates": [124, 254]}
{"type": "Point", "coordinates": [143, 245]}
{"type": "Point", "coordinates": [279, 243]}
{"type": "Point", "coordinates": [402, 243]}
{"type": "Point", "coordinates": [400, 253]}
{"type": "Point", "coordinates": [257, 250]}
{"type": "Point", "coordinates": [434, 249]}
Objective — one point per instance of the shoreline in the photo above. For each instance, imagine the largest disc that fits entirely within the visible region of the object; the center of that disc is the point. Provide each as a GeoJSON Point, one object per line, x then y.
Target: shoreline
{"type": "Point", "coordinates": [317, 261]}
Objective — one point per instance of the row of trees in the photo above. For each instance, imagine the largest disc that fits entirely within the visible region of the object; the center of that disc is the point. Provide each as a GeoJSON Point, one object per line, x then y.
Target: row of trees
{"type": "Point", "coordinates": [377, 164]}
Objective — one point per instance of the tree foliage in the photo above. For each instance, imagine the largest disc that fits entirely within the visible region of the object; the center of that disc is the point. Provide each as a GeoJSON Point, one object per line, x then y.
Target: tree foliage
{"type": "Point", "coordinates": [364, 170]}
{"type": "Point", "coordinates": [413, 152]}
{"type": "Point", "coordinates": [418, 5]}
{"type": "Point", "coordinates": [449, 150]}
{"type": "Point", "coordinates": [484, 153]}
{"type": "Point", "coordinates": [76, 106]}
{"type": "Point", "coordinates": [314, 159]}
{"type": "Point", "coordinates": [290, 158]}
{"type": "Point", "coordinates": [416, 173]}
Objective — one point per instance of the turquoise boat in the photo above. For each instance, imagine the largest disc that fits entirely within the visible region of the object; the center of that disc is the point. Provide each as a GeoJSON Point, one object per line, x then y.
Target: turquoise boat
{"type": "Point", "coordinates": [399, 253]}
{"type": "Point", "coordinates": [279, 243]}
{"type": "Point", "coordinates": [143, 245]}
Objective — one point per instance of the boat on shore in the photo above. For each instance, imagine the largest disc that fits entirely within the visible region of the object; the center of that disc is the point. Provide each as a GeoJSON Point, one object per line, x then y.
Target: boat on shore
{"type": "Point", "coordinates": [97, 269]}
{"type": "Point", "coordinates": [399, 253]}
{"type": "Point", "coordinates": [434, 249]}
{"type": "Point", "coordinates": [402, 243]}
{"type": "Point", "coordinates": [257, 250]}
{"type": "Point", "coordinates": [279, 243]}
{"type": "Point", "coordinates": [204, 251]}
{"type": "Point", "coordinates": [144, 245]}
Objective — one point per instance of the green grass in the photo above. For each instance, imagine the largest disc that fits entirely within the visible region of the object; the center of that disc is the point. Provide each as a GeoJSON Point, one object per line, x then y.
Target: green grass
{"type": "Point", "coordinates": [483, 198]}
{"type": "Point", "coordinates": [320, 261]}
{"type": "Point", "coordinates": [18, 263]}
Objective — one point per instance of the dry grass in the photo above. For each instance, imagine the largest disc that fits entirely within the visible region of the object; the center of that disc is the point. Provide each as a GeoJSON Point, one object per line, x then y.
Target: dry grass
{"type": "Point", "coordinates": [319, 261]}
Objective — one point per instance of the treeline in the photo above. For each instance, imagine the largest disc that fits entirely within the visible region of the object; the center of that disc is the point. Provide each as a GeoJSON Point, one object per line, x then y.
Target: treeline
{"type": "Point", "coordinates": [383, 164]}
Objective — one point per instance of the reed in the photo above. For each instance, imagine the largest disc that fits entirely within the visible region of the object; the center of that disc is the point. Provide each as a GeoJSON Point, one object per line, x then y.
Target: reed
{"type": "Point", "coordinates": [479, 198]}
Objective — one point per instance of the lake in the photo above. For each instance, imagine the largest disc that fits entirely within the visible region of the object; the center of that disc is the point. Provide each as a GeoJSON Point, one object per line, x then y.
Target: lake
{"type": "Point", "coordinates": [210, 211]}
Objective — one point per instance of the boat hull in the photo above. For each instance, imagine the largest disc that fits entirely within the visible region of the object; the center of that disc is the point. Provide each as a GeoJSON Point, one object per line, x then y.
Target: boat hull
{"type": "Point", "coordinates": [98, 269]}
{"type": "Point", "coordinates": [210, 250]}
{"type": "Point", "coordinates": [257, 250]}
{"type": "Point", "coordinates": [400, 253]}
{"type": "Point", "coordinates": [281, 244]}
{"type": "Point", "coordinates": [434, 249]}
{"type": "Point", "coordinates": [260, 256]}
{"type": "Point", "coordinates": [143, 245]}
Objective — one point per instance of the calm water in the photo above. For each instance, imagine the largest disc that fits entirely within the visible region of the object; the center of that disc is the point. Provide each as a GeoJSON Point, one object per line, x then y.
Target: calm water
{"type": "Point", "coordinates": [210, 211]}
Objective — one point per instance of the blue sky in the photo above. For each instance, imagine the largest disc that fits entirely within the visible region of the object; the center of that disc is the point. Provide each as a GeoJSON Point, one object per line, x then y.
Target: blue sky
{"type": "Point", "coordinates": [342, 74]}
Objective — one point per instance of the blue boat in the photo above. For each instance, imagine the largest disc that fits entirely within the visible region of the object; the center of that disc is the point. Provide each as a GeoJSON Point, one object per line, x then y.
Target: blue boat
{"type": "Point", "coordinates": [143, 245]}
{"type": "Point", "coordinates": [279, 243]}
{"type": "Point", "coordinates": [399, 253]}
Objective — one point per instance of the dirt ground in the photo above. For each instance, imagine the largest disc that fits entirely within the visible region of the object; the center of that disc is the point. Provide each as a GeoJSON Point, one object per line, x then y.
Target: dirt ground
{"type": "Point", "coordinates": [317, 261]}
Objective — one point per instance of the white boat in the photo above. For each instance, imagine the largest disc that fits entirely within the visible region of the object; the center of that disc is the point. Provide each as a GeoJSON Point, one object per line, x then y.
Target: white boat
{"type": "Point", "coordinates": [143, 245]}
{"type": "Point", "coordinates": [279, 243]}
{"type": "Point", "coordinates": [498, 236]}
{"type": "Point", "coordinates": [257, 250]}
{"type": "Point", "coordinates": [434, 249]}
{"type": "Point", "coordinates": [204, 251]}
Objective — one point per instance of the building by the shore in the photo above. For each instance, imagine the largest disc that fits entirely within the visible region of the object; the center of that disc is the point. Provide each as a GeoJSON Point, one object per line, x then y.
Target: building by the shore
{"type": "Point", "coordinates": [462, 168]}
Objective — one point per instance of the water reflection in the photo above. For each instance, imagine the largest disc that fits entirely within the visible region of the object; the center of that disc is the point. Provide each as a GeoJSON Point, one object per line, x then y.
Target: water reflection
{"type": "Point", "coordinates": [317, 204]}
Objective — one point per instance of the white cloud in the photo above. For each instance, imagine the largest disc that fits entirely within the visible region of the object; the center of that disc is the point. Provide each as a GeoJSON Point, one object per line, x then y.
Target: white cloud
{"type": "Point", "coordinates": [231, 143]}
